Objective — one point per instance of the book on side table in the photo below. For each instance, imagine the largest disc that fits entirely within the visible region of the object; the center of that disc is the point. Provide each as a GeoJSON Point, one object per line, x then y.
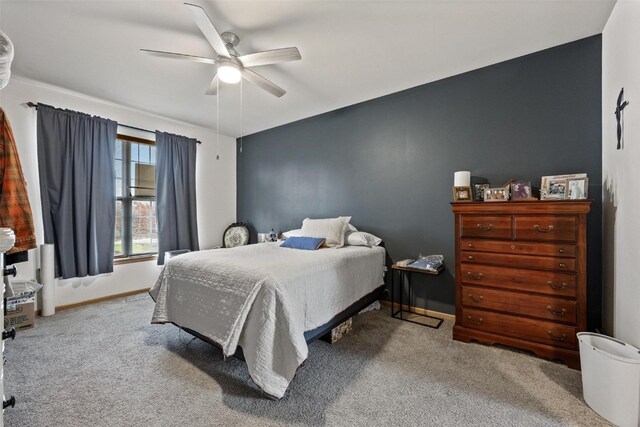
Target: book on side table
{"type": "Point", "coordinates": [405, 262]}
{"type": "Point", "coordinates": [425, 264]}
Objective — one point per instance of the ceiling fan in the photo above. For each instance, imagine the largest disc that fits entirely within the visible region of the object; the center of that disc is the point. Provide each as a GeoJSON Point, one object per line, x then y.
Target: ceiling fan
{"type": "Point", "coordinates": [231, 66]}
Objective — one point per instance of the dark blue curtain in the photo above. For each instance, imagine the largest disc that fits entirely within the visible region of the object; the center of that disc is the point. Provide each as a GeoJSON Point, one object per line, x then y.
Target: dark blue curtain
{"type": "Point", "coordinates": [176, 193]}
{"type": "Point", "coordinates": [77, 188]}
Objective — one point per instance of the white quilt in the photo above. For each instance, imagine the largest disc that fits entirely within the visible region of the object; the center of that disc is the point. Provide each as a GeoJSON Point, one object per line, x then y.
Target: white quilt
{"type": "Point", "coordinates": [263, 298]}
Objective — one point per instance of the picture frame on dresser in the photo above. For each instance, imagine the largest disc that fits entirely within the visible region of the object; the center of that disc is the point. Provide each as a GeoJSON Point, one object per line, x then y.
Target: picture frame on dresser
{"type": "Point", "coordinates": [478, 195]}
{"type": "Point", "coordinates": [496, 194]}
{"type": "Point", "coordinates": [521, 190]}
{"type": "Point", "coordinates": [578, 188]}
{"type": "Point", "coordinates": [558, 187]}
{"type": "Point", "coordinates": [462, 194]}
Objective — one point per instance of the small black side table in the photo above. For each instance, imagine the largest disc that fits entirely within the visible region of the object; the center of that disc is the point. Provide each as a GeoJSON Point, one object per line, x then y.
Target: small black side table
{"type": "Point", "coordinates": [405, 275]}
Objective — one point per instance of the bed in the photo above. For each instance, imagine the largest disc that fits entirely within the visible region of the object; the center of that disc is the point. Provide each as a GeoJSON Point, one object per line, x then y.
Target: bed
{"type": "Point", "coordinates": [267, 300]}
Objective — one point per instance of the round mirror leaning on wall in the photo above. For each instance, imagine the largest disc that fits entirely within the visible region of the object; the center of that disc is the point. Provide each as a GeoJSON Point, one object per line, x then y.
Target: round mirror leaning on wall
{"type": "Point", "coordinates": [237, 234]}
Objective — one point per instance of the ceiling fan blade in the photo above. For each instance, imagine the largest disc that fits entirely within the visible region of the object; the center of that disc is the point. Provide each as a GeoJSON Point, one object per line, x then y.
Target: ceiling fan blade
{"type": "Point", "coordinates": [269, 57]}
{"type": "Point", "coordinates": [206, 26]}
{"type": "Point", "coordinates": [213, 86]}
{"type": "Point", "coordinates": [263, 83]}
{"type": "Point", "coordinates": [183, 56]}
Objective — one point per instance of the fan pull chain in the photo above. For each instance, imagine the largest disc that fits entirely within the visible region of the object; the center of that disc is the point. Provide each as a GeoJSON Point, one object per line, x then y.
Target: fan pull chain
{"type": "Point", "coordinates": [218, 119]}
{"type": "Point", "coordinates": [241, 115]}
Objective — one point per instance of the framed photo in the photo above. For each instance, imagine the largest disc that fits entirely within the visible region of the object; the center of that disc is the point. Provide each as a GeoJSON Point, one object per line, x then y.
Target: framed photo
{"type": "Point", "coordinates": [478, 195]}
{"type": "Point", "coordinates": [557, 187]}
{"type": "Point", "coordinates": [578, 188]}
{"type": "Point", "coordinates": [462, 194]}
{"type": "Point", "coordinates": [496, 194]}
{"type": "Point", "coordinates": [521, 190]}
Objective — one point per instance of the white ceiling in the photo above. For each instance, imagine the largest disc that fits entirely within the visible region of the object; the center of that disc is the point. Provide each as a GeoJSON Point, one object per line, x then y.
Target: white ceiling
{"type": "Point", "coordinates": [352, 51]}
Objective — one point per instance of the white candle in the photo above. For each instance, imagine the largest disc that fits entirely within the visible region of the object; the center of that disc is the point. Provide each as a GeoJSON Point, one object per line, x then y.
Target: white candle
{"type": "Point", "coordinates": [462, 179]}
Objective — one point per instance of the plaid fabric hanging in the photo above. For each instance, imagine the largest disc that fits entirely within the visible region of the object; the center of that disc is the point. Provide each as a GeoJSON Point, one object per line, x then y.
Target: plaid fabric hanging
{"type": "Point", "coordinates": [15, 210]}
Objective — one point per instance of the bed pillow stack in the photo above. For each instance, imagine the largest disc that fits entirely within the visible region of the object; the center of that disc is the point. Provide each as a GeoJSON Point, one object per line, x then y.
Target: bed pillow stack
{"type": "Point", "coordinates": [331, 229]}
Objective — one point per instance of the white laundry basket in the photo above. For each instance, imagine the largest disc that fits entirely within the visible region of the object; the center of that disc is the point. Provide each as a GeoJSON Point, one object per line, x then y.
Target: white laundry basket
{"type": "Point", "coordinates": [611, 378]}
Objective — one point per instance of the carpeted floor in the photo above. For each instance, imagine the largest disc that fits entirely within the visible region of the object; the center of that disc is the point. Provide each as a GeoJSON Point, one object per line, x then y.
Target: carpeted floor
{"type": "Point", "coordinates": [107, 365]}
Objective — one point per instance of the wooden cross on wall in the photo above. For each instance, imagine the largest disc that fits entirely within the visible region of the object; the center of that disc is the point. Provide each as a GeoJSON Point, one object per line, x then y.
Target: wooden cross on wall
{"type": "Point", "coordinates": [619, 107]}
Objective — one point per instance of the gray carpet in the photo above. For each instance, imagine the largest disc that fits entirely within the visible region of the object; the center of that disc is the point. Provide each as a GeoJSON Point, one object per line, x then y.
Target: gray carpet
{"type": "Point", "coordinates": [107, 365]}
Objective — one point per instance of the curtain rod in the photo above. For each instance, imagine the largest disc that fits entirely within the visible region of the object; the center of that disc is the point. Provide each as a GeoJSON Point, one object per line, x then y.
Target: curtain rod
{"type": "Point", "coordinates": [35, 105]}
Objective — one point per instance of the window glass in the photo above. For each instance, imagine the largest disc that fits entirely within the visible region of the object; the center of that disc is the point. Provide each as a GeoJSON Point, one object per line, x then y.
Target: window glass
{"type": "Point", "coordinates": [134, 151]}
{"type": "Point", "coordinates": [144, 234]}
{"type": "Point", "coordinates": [118, 187]}
{"type": "Point", "coordinates": [118, 149]}
{"type": "Point", "coordinates": [136, 229]}
{"type": "Point", "coordinates": [132, 174]}
{"type": "Point", "coordinates": [144, 154]}
{"type": "Point", "coordinates": [117, 246]}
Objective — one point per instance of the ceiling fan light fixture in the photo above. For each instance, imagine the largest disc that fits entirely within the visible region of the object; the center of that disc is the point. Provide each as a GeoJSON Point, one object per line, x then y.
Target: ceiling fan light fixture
{"type": "Point", "coordinates": [229, 72]}
{"type": "Point", "coordinates": [231, 67]}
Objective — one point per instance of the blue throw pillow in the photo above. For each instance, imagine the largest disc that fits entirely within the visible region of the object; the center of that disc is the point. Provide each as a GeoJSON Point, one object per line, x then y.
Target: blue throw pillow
{"type": "Point", "coordinates": [308, 243]}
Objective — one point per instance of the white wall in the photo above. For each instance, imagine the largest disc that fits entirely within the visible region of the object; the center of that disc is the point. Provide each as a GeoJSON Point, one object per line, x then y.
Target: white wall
{"type": "Point", "coordinates": [215, 180]}
{"type": "Point", "coordinates": [621, 174]}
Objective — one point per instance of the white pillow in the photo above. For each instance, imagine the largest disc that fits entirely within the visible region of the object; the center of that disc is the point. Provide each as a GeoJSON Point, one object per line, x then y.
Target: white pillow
{"type": "Point", "coordinates": [298, 231]}
{"type": "Point", "coordinates": [331, 229]}
{"type": "Point", "coordinates": [293, 233]}
{"type": "Point", "coordinates": [361, 238]}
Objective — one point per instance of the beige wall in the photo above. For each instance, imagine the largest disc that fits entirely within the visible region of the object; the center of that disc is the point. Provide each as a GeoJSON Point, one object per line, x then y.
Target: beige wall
{"type": "Point", "coordinates": [215, 180]}
{"type": "Point", "coordinates": [621, 174]}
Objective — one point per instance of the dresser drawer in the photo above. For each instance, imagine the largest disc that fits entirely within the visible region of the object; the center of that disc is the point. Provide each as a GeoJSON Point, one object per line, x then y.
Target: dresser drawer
{"type": "Point", "coordinates": [546, 228]}
{"type": "Point", "coordinates": [556, 309]}
{"type": "Point", "coordinates": [526, 261]}
{"type": "Point", "coordinates": [495, 227]}
{"type": "Point", "coordinates": [543, 282]}
{"type": "Point", "coordinates": [520, 327]}
{"type": "Point", "coordinates": [522, 248]}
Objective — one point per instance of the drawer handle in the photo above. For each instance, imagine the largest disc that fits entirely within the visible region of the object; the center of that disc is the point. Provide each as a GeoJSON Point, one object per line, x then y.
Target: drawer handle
{"type": "Point", "coordinates": [562, 312]}
{"type": "Point", "coordinates": [562, 251]}
{"type": "Point", "coordinates": [478, 277]}
{"type": "Point", "coordinates": [543, 230]}
{"type": "Point", "coordinates": [557, 287]}
{"type": "Point", "coordinates": [562, 337]}
{"type": "Point", "coordinates": [474, 299]}
{"type": "Point", "coordinates": [479, 321]}
{"type": "Point", "coordinates": [481, 228]}
{"type": "Point", "coordinates": [470, 257]}
{"type": "Point", "coordinates": [471, 245]}
{"type": "Point", "coordinates": [562, 265]}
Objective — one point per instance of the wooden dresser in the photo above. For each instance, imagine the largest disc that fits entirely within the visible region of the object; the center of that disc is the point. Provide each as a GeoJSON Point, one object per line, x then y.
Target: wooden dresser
{"type": "Point", "coordinates": [521, 275]}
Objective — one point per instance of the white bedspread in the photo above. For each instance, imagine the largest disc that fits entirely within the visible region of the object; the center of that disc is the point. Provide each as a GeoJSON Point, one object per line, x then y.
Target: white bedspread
{"type": "Point", "coordinates": [263, 298]}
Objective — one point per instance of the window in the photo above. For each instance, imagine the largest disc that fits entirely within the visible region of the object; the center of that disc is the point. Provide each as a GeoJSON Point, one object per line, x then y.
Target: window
{"type": "Point", "coordinates": [136, 227]}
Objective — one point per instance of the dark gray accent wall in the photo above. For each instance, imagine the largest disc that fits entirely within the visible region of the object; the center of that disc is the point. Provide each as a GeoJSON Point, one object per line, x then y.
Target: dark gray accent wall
{"type": "Point", "coordinates": [389, 162]}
